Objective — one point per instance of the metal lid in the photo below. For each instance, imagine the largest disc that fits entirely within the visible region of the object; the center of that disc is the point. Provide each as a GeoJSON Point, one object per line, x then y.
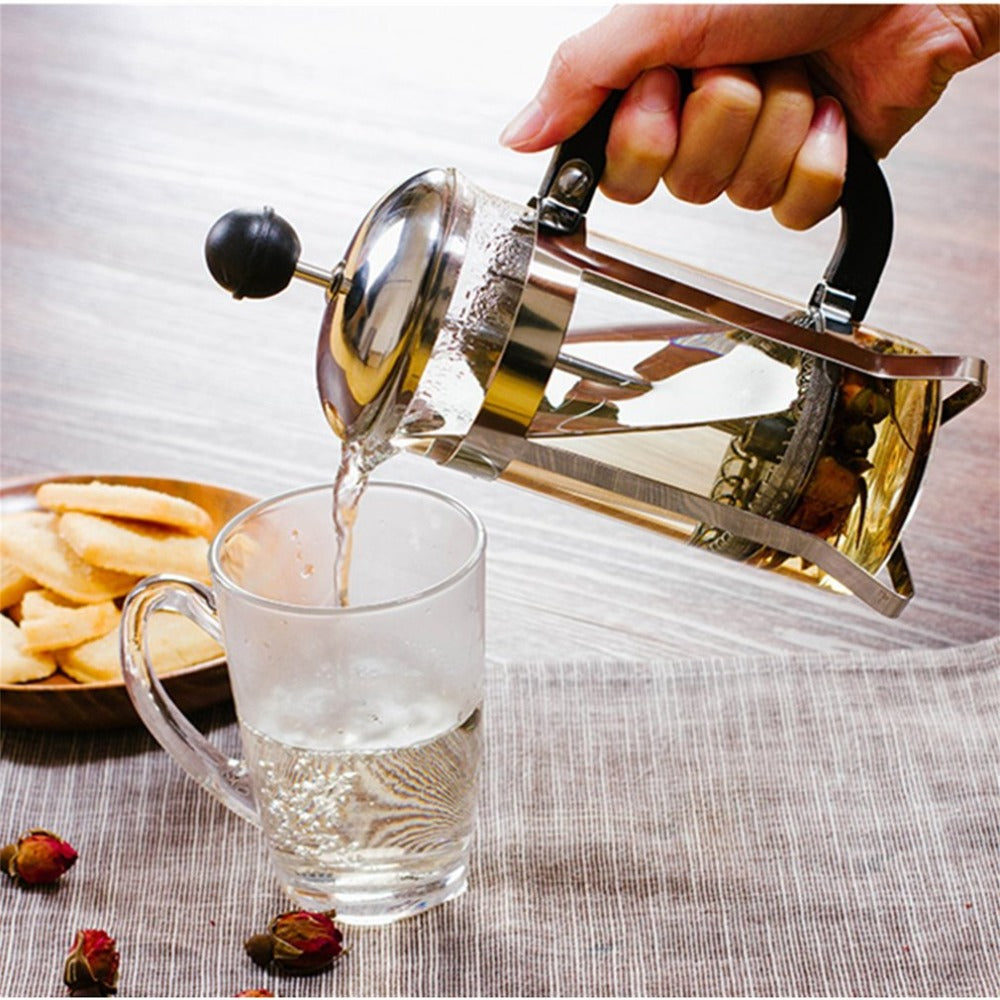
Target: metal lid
{"type": "Point", "coordinates": [381, 320]}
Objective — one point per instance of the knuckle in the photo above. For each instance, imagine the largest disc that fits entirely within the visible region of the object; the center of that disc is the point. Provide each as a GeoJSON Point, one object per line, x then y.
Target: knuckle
{"type": "Point", "coordinates": [792, 218]}
{"type": "Point", "coordinates": [805, 208]}
{"type": "Point", "coordinates": [756, 185]}
{"type": "Point", "coordinates": [631, 142]}
{"type": "Point", "coordinates": [732, 94]}
{"type": "Point", "coordinates": [639, 140]}
{"type": "Point", "coordinates": [565, 65]}
{"type": "Point", "coordinates": [824, 178]}
{"type": "Point", "coordinates": [695, 188]}
{"type": "Point", "coordinates": [752, 194]}
{"type": "Point", "coordinates": [631, 176]}
{"type": "Point", "coordinates": [790, 113]}
{"type": "Point", "coordinates": [625, 190]}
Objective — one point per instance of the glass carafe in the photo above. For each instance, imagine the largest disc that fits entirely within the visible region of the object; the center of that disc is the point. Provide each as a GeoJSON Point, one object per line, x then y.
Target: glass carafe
{"type": "Point", "coordinates": [507, 341]}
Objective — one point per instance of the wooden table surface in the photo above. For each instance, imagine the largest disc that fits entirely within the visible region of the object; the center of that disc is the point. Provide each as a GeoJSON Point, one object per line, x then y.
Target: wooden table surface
{"type": "Point", "coordinates": [128, 130]}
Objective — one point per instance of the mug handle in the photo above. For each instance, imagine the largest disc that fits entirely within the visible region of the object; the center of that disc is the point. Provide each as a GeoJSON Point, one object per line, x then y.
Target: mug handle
{"type": "Point", "coordinates": [224, 777]}
{"type": "Point", "coordinates": [866, 216]}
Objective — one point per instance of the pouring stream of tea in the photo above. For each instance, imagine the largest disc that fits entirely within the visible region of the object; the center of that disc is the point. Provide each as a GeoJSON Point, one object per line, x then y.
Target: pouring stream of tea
{"type": "Point", "coordinates": [357, 462]}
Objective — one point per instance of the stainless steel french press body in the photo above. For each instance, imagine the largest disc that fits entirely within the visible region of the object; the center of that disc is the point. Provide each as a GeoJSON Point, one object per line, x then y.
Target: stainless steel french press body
{"type": "Point", "coordinates": [507, 341]}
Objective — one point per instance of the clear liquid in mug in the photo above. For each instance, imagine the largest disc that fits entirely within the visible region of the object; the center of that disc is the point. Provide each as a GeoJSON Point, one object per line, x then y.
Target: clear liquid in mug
{"type": "Point", "coordinates": [379, 827]}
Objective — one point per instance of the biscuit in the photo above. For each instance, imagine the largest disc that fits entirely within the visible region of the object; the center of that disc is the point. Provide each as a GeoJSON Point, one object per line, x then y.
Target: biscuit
{"type": "Point", "coordinates": [31, 542]}
{"type": "Point", "coordinates": [174, 643]}
{"type": "Point", "coordinates": [134, 546]}
{"type": "Point", "coordinates": [13, 584]}
{"type": "Point", "coordinates": [117, 500]}
{"type": "Point", "coordinates": [50, 622]}
{"type": "Point", "coordinates": [17, 665]}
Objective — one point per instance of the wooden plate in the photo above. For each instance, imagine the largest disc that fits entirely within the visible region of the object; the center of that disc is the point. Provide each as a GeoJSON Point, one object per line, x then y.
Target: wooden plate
{"type": "Point", "coordinates": [62, 704]}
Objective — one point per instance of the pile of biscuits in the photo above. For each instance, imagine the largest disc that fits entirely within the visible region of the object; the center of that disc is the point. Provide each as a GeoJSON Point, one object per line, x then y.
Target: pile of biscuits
{"type": "Point", "coordinates": [65, 567]}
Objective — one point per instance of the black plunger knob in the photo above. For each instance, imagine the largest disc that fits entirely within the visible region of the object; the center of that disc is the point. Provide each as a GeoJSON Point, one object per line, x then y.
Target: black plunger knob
{"type": "Point", "coordinates": [252, 254]}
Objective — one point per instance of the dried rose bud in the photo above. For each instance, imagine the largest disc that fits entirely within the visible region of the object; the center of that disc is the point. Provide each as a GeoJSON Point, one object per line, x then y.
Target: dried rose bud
{"type": "Point", "coordinates": [38, 858]}
{"type": "Point", "coordinates": [298, 941]}
{"type": "Point", "coordinates": [92, 964]}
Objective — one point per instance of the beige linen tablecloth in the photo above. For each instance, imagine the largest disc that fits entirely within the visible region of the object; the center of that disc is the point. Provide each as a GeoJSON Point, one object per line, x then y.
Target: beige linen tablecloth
{"type": "Point", "coordinates": [742, 826]}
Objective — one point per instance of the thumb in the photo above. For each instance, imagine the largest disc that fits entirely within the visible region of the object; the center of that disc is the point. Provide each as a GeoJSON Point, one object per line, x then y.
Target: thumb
{"type": "Point", "coordinates": [612, 53]}
{"type": "Point", "coordinates": [584, 70]}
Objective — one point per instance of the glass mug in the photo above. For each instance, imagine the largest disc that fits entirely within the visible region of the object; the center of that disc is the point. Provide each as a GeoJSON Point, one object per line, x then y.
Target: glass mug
{"type": "Point", "coordinates": [360, 724]}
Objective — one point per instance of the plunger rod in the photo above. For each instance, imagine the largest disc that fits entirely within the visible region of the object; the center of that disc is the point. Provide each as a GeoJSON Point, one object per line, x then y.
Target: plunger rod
{"type": "Point", "coordinates": [564, 362]}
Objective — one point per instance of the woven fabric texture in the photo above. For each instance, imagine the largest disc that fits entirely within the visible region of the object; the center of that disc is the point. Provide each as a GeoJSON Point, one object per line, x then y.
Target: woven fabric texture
{"type": "Point", "coordinates": [824, 825]}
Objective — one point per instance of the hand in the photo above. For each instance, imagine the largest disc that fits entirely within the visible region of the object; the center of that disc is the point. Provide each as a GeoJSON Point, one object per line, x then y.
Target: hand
{"type": "Point", "coordinates": [774, 88]}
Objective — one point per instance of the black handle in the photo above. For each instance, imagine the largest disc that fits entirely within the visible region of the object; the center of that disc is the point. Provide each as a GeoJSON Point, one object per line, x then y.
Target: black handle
{"type": "Point", "coordinates": [865, 204]}
{"type": "Point", "coordinates": [865, 229]}
{"type": "Point", "coordinates": [566, 192]}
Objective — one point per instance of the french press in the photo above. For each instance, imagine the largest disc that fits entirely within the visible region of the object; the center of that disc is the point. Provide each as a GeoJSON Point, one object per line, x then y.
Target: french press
{"type": "Point", "coordinates": [509, 342]}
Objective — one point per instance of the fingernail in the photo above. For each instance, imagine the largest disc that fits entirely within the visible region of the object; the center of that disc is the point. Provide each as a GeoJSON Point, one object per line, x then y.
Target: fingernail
{"type": "Point", "coordinates": [524, 127]}
{"type": "Point", "coordinates": [655, 93]}
{"type": "Point", "coordinates": [828, 115]}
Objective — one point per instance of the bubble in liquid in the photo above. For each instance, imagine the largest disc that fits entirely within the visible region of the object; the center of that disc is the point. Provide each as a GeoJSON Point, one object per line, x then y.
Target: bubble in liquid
{"type": "Point", "coordinates": [480, 315]}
